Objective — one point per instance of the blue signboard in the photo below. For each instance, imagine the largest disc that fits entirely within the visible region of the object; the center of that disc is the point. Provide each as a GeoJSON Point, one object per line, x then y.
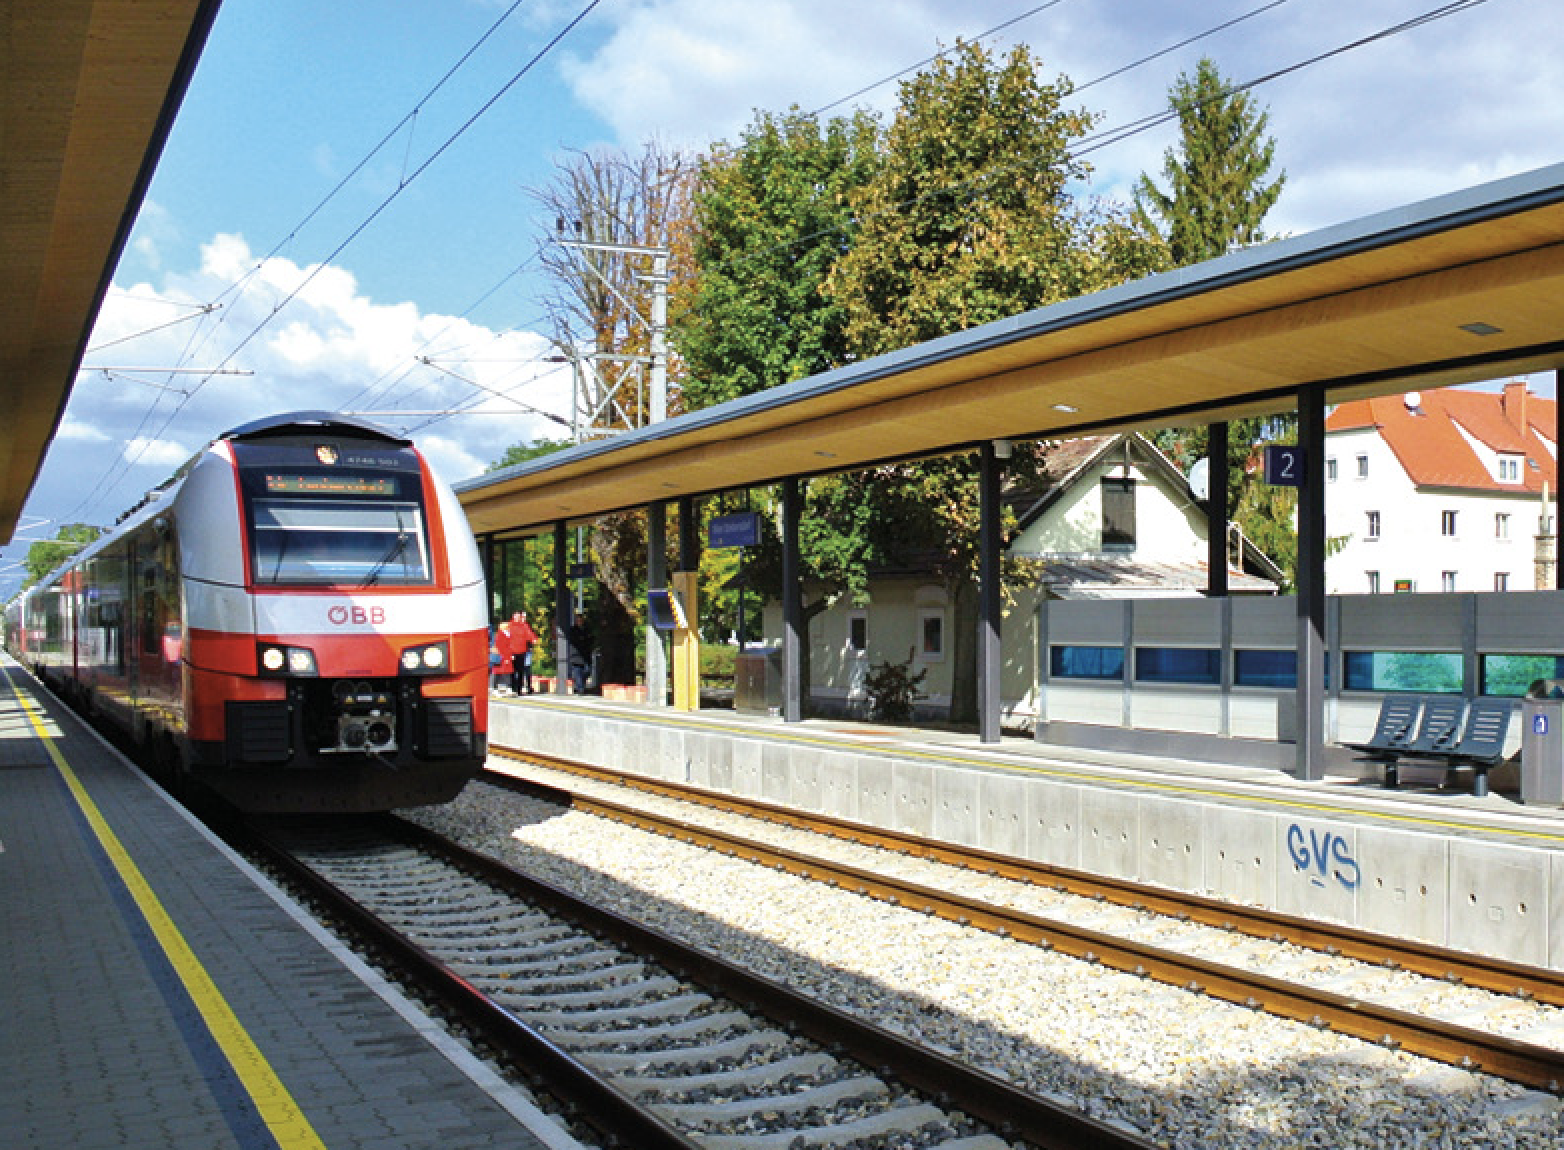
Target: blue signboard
{"type": "Point", "coordinates": [1284, 466]}
{"type": "Point", "coordinates": [739, 530]}
{"type": "Point", "coordinates": [664, 610]}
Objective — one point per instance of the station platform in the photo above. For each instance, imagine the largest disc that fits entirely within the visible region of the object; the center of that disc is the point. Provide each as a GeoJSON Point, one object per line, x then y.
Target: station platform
{"type": "Point", "coordinates": [161, 993]}
{"type": "Point", "coordinates": [1442, 866]}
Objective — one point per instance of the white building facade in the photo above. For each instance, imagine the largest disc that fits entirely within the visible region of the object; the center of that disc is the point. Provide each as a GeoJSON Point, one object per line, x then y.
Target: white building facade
{"type": "Point", "coordinates": [1441, 491]}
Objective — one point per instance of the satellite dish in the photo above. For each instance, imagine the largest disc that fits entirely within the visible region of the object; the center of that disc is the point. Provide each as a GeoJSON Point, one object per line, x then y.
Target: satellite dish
{"type": "Point", "coordinates": [1200, 478]}
{"type": "Point", "coordinates": [1413, 401]}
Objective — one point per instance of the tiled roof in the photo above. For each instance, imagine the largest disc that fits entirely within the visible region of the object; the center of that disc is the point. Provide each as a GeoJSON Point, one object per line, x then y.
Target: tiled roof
{"type": "Point", "coordinates": [1112, 578]}
{"type": "Point", "coordinates": [1428, 443]}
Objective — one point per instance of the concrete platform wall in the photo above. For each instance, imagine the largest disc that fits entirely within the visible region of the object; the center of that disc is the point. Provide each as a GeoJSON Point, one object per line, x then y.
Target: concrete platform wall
{"type": "Point", "coordinates": [1430, 884]}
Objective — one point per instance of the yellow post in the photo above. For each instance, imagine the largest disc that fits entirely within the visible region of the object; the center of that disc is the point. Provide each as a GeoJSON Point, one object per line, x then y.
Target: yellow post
{"type": "Point", "coordinates": [686, 646]}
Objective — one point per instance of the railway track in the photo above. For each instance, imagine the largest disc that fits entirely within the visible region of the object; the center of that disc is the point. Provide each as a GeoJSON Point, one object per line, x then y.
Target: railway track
{"type": "Point", "coordinates": [654, 1043]}
{"type": "Point", "coordinates": [1396, 994]}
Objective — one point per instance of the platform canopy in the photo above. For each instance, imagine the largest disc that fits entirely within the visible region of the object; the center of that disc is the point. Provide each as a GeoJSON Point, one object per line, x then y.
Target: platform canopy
{"type": "Point", "coordinates": [88, 91]}
{"type": "Point", "coordinates": [1466, 287]}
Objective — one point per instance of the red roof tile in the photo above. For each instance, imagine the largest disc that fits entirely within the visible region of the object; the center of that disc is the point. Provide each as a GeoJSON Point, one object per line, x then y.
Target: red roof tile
{"type": "Point", "coordinates": [1428, 442]}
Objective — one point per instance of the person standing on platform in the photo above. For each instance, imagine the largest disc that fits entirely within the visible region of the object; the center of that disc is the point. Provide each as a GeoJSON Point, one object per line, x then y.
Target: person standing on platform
{"type": "Point", "coordinates": [579, 640]}
{"type": "Point", "coordinates": [500, 665]}
{"type": "Point", "coordinates": [522, 640]}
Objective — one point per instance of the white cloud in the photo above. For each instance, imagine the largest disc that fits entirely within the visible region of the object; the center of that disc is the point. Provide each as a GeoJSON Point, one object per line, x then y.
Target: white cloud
{"type": "Point", "coordinates": [330, 347]}
{"type": "Point", "coordinates": [156, 452]}
{"type": "Point", "coordinates": [1432, 109]}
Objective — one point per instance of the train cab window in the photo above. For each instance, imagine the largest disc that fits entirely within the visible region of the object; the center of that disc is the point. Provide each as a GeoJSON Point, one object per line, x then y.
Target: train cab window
{"type": "Point", "coordinates": [358, 522]}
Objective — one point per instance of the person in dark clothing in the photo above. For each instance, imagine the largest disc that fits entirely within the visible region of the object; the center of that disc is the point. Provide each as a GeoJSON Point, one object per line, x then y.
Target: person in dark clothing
{"type": "Point", "coordinates": [579, 641]}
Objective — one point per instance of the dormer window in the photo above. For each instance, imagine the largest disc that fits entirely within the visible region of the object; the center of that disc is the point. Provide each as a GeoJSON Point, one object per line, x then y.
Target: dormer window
{"type": "Point", "coordinates": [1509, 469]}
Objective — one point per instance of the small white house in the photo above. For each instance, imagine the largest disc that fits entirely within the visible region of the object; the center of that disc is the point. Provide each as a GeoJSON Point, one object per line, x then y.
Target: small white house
{"type": "Point", "coordinates": [1440, 491]}
{"type": "Point", "coordinates": [1114, 519]}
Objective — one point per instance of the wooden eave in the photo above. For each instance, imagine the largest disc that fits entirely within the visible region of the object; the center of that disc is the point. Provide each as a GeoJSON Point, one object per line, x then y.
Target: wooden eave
{"type": "Point", "coordinates": [1366, 308]}
{"type": "Point", "coordinates": [88, 90]}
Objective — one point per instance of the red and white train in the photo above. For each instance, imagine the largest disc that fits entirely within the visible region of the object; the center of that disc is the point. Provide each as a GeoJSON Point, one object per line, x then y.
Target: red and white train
{"type": "Point", "coordinates": [296, 620]}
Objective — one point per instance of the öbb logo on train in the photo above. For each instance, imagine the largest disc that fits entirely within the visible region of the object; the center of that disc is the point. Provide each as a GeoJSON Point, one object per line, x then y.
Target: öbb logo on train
{"type": "Point", "coordinates": [341, 616]}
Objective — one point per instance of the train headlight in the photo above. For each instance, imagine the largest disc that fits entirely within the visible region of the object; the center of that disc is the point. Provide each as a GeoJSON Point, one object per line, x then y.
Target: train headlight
{"type": "Point", "coordinates": [426, 659]}
{"type": "Point", "coordinates": [277, 659]}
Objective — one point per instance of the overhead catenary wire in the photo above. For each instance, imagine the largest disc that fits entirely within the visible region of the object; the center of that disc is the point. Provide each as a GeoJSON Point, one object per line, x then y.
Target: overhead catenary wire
{"type": "Point", "coordinates": [369, 219]}
{"type": "Point", "coordinates": [1125, 131]}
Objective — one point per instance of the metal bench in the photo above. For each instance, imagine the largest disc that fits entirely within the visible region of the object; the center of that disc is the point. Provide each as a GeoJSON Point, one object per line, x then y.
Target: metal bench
{"type": "Point", "coordinates": [1393, 732]}
{"type": "Point", "coordinates": [1482, 740]}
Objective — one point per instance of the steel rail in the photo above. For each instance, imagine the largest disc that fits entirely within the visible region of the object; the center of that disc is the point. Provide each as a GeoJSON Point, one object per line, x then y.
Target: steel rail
{"type": "Point", "coordinates": [1479, 971]}
{"type": "Point", "coordinates": [598, 1102]}
{"type": "Point", "coordinates": [1011, 1110]}
{"type": "Point", "coordinates": [1532, 1065]}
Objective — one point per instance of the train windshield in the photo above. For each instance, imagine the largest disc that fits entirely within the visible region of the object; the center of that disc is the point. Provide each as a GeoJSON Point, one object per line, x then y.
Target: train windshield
{"type": "Point", "coordinates": [334, 514]}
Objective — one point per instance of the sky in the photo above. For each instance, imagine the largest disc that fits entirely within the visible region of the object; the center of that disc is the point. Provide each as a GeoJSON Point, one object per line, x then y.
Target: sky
{"type": "Point", "coordinates": [349, 188]}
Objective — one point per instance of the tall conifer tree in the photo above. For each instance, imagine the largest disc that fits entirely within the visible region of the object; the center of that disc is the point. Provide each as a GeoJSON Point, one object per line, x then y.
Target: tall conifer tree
{"type": "Point", "coordinates": [1217, 191]}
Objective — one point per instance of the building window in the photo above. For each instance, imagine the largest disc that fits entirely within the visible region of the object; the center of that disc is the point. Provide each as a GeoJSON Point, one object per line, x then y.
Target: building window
{"type": "Point", "coordinates": [1363, 467]}
{"type": "Point", "coordinates": [1373, 578]}
{"type": "Point", "coordinates": [1073, 662]}
{"type": "Point", "coordinates": [1509, 469]}
{"type": "Point", "coordinates": [1118, 514]}
{"type": "Point", "coordinates": [1501, 525]}
{"type": "Point", "coordinates": [858, 632]}
{"type": "Point", "coordinates": [1330, 469]}
{"type": "Point", "coordinates": [1178, 665]}
{"type": "Point", "coordinates": [1501, 580]}
{"type": "Point", "coordinates": [931, 635]}
{"type": "Point", "coordinates": [1447, 581]}
{"type": "Point", "coordinates": [1373, 525]}
{"type": "Point", "coordinates": [1447, 524]}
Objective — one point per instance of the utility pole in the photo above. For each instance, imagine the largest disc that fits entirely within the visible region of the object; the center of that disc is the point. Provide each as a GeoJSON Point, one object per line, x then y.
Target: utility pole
{"type": "Point", "coordinates": [656, 324]}
{"type": "Point", "coordinates": [591, 407]}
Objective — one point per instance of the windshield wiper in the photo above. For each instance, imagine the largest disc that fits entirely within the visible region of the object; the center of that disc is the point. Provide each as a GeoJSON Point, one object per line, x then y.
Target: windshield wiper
{"type": "Point", "coordinates": [396, 549]}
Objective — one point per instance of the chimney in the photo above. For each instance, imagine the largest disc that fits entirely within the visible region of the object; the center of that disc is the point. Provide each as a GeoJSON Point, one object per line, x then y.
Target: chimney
{"type": "Point", "coordinates": [1515, 404]}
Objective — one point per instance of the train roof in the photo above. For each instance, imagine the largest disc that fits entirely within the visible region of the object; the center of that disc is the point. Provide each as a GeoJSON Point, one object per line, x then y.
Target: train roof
{"type": "Point", "coordinates": [306, 422]}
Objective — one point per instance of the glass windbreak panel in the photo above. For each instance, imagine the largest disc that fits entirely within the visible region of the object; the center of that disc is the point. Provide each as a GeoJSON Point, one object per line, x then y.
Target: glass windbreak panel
{"type": "Point", "coordinates": [1178, 665]}
{"type": "Point", "coordinates": [346, 516]}
{"type": "Point", "coordinates": [1512, 675]}
{"type": "Point", "coordinates": [1433, 672]}
{"type": "Point", "coordinates": [1265, 669]}
{"type": "Point", "coordinates": [1086, 662]}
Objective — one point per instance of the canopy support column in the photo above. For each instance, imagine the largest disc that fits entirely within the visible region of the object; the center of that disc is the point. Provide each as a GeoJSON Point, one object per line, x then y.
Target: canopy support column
{"type": "Point", "coordinates": [990, 704]}
{"type": "Point", "coordinates": [1311, 585]}
{"type": "Point", "coordinates": [656, 577]}
{"type": "Point", "coordinates": [793, 637]}
{"type": "Point", "coordinates": [1216, 512]}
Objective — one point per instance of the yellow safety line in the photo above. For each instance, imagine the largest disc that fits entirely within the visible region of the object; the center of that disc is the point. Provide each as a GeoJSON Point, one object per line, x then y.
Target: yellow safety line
{"type": "Point", "coordinates": [278, 1110]}
{"type": "Point", "coordinates": [1078, 774]}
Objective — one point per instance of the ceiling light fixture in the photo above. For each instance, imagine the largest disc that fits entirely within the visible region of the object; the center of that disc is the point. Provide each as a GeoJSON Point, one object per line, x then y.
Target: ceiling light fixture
{"type": "Point", "coordinates": [1481, 328]}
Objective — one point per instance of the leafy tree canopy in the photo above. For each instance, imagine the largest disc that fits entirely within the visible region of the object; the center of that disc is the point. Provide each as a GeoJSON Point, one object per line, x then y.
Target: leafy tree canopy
{"type": "Point", "coordinates": [771, 217]}
{"type": "Point", "coordinates": [969, 218]}
{"type": "Point", "coordinates": [522, 452]}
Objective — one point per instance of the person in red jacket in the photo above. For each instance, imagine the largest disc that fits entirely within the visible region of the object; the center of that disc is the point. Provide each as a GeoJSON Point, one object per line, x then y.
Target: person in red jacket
{"type": "Point", "coordinates": [520, 639]}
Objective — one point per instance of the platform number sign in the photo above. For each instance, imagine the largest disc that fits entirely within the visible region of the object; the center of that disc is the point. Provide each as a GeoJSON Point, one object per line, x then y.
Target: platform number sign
{"type": "Point", "coordinates": [1284, 466]}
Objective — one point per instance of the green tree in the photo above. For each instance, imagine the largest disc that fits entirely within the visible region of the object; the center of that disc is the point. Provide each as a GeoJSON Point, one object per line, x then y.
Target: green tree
{"type": "Point", "coordinates": [44, 556]}
{"type": "Point", "coordinates": [969, 218]}
{"type": "Point", "coordinates": [1216, 202]}
{"type": "Point", "coordinates": [771, 217]}
{"type": "Point", "coordinates": [1217, 192]}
